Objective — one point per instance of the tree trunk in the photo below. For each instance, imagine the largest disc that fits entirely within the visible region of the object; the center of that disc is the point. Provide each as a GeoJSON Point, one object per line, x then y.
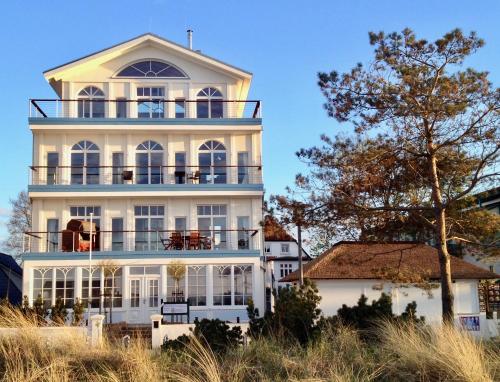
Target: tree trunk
{"type": "Point", "coordinates": [444, 257]}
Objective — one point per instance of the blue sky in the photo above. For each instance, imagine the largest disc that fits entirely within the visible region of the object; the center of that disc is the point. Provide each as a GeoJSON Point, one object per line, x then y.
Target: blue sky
{"type": "Point", "coordinates": [284, 43]}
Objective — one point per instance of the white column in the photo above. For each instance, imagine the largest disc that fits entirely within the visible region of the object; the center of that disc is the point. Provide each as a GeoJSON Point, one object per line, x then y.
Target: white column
{"type": "Point", "coordinates": [210, 287]}
{"type": "Point", "coordinates": [163, 282]}
{"type": "Point", "coordinates": [125, 288]}
{"type": "Point", "coordinates": [78, 283]}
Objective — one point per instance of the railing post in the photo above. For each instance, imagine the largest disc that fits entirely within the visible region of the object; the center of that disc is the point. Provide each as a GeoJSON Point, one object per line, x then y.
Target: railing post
{"type": "Point", "coordinates": [157, 239]}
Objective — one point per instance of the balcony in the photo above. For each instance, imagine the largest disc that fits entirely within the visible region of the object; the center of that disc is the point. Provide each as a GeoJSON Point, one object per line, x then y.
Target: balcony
{"type": "Point", "coordinates": [144, 109]}
{"type": "Point", "coordinates": [121, 176]}
{"type": "Point", "coordinates": [169, 242]}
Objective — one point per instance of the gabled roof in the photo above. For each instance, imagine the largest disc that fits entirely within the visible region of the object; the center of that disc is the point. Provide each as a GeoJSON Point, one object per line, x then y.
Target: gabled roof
{"type": "Point", "coordinates": [143, 38]}
{"type": "Point", "coordinates": [359, 260]}
{"type": "Point", "coordinates": [9, 269]}
{"type": "Point", "coordinates": [10, 263]}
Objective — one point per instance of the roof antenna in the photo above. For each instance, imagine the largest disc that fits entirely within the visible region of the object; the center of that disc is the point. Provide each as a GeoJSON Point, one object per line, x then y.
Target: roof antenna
{"type": "Point", "coordinates": [190, 39]}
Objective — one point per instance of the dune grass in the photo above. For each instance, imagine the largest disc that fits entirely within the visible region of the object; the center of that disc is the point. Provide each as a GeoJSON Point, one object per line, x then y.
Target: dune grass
{"type": "Point", "coordinates": [402, 352]}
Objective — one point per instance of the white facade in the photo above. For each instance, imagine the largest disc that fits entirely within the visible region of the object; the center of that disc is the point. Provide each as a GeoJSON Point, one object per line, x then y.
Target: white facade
{"type": "Point", "coordinates": [335, 293]}
{"type": "Point", "coordinates": [159, 143]}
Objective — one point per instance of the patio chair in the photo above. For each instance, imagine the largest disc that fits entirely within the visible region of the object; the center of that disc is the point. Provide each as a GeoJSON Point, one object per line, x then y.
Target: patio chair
{"type": "Point", "coordinates": [174, 242]}
{"type": "Point", "coordinates": [206, 243]}
{"type": "Point", "coordinates": [194, 240]}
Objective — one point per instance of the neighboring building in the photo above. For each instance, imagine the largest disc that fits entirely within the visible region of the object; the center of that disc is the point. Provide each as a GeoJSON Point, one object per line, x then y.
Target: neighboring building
{"type": "Point", "coordinates": [160, 144]}
{"type": "Point", "coordinates": [282, 258]}
{"type": "Point", "coordinates": [281, 253]}
{"type": "Point", "coordinates": [11, 280]}
{"type": "Point", "coordinates": [350, 269]}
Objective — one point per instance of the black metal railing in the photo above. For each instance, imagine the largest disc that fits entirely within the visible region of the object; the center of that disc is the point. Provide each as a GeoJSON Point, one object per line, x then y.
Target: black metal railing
{"type": "Point", "coordinates": [147, 108]}
{"type": "Point", "coordinates": [66, 175]}
{"type": "Point", "coordinates": [141, 240]}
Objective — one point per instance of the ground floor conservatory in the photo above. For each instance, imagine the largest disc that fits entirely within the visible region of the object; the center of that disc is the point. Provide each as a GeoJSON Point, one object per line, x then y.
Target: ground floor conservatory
{"type": "Point", "coordinates": [131, 290]}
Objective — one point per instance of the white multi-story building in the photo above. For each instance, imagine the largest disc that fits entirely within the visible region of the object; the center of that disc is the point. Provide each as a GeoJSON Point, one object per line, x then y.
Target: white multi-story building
{"type": "Point", "coordinates": [158, 145]}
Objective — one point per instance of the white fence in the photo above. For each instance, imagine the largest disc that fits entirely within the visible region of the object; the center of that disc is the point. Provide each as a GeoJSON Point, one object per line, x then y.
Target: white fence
{"type": "Point", "coordinates": [54, 334]}
{"type": "Point", "coordinates": [160, 331]}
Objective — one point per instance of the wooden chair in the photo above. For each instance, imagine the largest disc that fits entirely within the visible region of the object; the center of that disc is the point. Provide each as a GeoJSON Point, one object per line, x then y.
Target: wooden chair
{"type": "Point", "coordinates": [206, 243]}
{"type": "Point", "coordinates": [174, 242]}
{"type": "Point", "coordinates": [194, 240]}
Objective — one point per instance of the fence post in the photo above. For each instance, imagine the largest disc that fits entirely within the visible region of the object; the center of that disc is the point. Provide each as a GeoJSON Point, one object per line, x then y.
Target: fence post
{"type": "Point", "coordinates": [96, 330]}
{"type": "Point", "coordinates": [156, 337]}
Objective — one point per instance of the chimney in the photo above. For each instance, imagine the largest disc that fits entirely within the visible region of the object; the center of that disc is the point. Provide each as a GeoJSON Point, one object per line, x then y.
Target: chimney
{"type": "Point", "coordinates": [190, 39]}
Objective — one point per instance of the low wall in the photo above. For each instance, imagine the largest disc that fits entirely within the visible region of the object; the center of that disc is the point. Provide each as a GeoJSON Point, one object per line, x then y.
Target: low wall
{"type": "Point", "coordinates": [160, 331]}
{"type": "Point", "coordinates": [54, 334]}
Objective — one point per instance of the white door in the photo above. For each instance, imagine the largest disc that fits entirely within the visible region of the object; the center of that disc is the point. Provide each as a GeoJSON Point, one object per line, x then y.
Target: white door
{"type": "Point", "coordinates": [144, 296]}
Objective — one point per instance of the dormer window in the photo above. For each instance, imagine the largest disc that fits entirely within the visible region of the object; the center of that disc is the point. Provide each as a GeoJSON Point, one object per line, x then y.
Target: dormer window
{"type": "Point", "coordinates": [91, 103]}
{"type": "Point", "coordinates": [151, 68]}
{"type": "Point", "coordinates": [209, 103]}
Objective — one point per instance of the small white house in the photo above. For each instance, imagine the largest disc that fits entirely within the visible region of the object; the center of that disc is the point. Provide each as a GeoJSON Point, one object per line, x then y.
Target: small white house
{"type": "Point", "coordinates": [350, 269]}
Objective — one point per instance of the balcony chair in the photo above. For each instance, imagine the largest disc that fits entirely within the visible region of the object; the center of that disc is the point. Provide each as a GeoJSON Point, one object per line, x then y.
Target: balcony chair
{"type": "Point", "coordinates": [174, 242]}
{"type": "Point", "coordinates": [194, 240]}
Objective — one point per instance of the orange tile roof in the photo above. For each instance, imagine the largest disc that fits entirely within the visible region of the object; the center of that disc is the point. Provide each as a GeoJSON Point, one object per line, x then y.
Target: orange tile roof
{"type": "Point", "coordinates": [358, 260]}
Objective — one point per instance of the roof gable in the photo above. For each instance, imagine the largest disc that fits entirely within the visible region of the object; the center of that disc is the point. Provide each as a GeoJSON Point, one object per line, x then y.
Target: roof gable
{"type": "Point", "coordinates": [115, 51]}
{"type": "Point", "coordinates": [351, 260]}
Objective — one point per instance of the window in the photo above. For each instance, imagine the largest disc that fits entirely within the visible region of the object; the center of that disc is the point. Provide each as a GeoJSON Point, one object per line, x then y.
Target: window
{"type": "Point", "coordinates": [112, 286]}
{"type": "Point", "coordinates": [180, 168]}
{"type": "Point", "coordinates": [150, 103]}
{"type": "Point", "coordinates": [267, 248]}
{"type": "Point", "coordinates": [117, 234]}
{"type": "Point", "coordinates": [83, 213]}
{"type": "Point", "coordinates": [153, 292]}
{"type": "Point", "coordinates": [222, 284]}
{"type": "Point", "coordinates": [180, 224]}
{"type": "Point", "coordinates": [212, 224]}
{"type": "Point", "coordinates": [149, 162]}
{"type": "Point", "coordinates": [91, 103]}
{"type": "Point", "coordinates": [209, 103]}
{"type": "Point", "coordinates": [243, 232]}
{"type": "Point", "coordinates": [85, 163]}
{"type": "Point", "coordinates": [65, 285]}
{"type": "Point", "coordinates": [151, 68]}
{"type": "Point", "coordinates": [117, 163]}
{"type": "Point", "coordinates": [212, 163]}
{"type": "Point", "coordinates": [42, 285]}
{"type": "Point", "coordinates": [135, 299]}
{"type": "Point", "coordinates": [121, 107]}
{"type": "Point", "coordinates": [52, 168]}
{"type": "Point", "coordinates": [148, 227]}
{"type": "Point", "coordinates": [176, 283]}
{"type": "Point", "coordinates": [285, 248]}
{"type": "Point", "coordinates": [197, 285]}
{"type": "Point", "coordinates": [285, 269]}
{"type": "Point", "coordinates": [243, 168]}
{"type": "Point", "coordinates": [242, 284]}
{"type": "Point", "coordinates": [95, 291]}
{"type": "Point", "coordinates": [52, 235]}
{"type": "Point", "coordinates": [180, 108]}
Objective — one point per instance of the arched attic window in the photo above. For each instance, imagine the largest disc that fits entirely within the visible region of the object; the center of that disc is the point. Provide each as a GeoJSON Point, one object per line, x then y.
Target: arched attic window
{"type": "Point", "coordinates": [91, 102]}
{"type": "Point", "coordinates": [153, 69]}
{"type": "Point", "coordinates": [209, 103]}
{"type": "Point", "coordinates": [212, 162]}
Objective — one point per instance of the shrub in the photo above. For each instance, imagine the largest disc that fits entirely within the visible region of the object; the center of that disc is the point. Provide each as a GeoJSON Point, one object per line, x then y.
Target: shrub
{"type": "Point", "coordinates": [78, 310]}
{"type": "Point", "coordinates": [295, 314]}
{"type": "Point", "coordinates": [58, 312]}
{"type": "Point", "coordinates": [365, 317]}
{"type": "Point", "coordinates": [215, 333]}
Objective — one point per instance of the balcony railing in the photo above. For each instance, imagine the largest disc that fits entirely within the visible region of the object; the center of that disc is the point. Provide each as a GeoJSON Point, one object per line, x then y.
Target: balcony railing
{"type": "Point", "coordinates": [150, 240]}
{"type": "Point", "coordinates": [66, 175]}
{"type": "Point", "coordinates": [149, 108]}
